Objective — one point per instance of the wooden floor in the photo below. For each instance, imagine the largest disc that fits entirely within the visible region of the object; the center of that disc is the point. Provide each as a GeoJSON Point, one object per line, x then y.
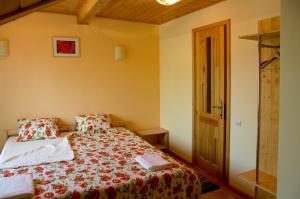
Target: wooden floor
{"type": "Point", "coordinates": [225, 192]}
{"type": "Point", "coordinates": [221, 194]}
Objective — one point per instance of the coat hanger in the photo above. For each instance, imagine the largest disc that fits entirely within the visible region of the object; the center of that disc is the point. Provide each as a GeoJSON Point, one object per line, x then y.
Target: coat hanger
{"type": "Point", "coordinates": [268, 62]}
{"type": "Point", "coordinates": [272, 59]}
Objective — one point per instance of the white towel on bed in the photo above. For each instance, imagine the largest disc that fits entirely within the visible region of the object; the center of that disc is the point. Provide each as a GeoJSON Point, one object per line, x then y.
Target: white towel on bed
{"type": "Point", "coordinates": [152, 162]}
{"type": "Point", "coordinates": [16, 186]}
{"type": "Point", "coordinates": [16, 154]}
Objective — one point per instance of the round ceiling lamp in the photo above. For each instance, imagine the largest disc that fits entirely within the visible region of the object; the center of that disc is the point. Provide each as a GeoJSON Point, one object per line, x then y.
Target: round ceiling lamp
{"type": "Point", "coordinates": [167, 2]}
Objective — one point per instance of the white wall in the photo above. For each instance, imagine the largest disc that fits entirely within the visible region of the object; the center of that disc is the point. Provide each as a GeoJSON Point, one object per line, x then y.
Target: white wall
{"type": "Point", "coordinates": [289, 134]}
{"type": "Point", "coordinates": [176, 79]}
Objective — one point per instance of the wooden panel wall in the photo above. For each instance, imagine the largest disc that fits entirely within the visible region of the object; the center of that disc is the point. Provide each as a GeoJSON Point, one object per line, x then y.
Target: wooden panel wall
{"type": "Point", "coordinates": [269, 102]}
{"type": "Point", "coordinates": [269, 108]}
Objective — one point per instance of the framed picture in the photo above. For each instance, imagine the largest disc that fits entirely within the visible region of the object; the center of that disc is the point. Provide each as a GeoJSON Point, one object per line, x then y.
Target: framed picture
{"type": "Point", "coordinates": [66, 47]}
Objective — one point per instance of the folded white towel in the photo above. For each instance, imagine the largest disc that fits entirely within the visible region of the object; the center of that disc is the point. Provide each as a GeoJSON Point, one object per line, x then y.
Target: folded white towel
{"type": "Point", "coordinates": [152, 162]}
{"type": "Point", "coordinates": [16, 154]}
{"type": "Point", "coordinates": [16, 186]}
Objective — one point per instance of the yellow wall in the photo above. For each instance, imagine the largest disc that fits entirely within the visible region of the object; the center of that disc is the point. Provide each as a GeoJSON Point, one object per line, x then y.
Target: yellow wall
{"type": "Point", "coordinates": [34, 83]}
{"type": "Point", "coordinates": [289, 134]}
{"type": "Point", "coordinates": [176, 79]}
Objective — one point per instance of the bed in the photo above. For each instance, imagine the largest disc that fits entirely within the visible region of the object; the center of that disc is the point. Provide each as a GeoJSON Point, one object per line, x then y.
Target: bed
{"type": "Point", "coordinates": [104, 167]}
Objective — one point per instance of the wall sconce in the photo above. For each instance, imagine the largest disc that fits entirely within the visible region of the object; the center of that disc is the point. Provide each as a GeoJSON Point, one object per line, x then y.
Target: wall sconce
{"type": "Point", "coordinates": [119, 53]}
{"type": "Point", "coordinates": [3, 48]}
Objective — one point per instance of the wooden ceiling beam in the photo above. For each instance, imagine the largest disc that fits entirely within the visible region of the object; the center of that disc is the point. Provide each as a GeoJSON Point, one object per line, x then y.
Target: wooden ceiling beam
{"type": "Point", "coordinates": [21, 12]}
{"type": "Point", "coordinates": [89, 9]}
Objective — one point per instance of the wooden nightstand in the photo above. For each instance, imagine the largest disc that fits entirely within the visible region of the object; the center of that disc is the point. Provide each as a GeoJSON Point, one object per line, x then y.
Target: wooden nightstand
{"type": "Point", "coordinates": [119, 123]}
{"type": "Point", "coordinates": [157, 137]}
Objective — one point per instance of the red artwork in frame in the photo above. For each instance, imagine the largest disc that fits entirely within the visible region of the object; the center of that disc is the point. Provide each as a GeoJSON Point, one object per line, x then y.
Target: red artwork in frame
{"type": "Point", "coordinates": [63, 46]}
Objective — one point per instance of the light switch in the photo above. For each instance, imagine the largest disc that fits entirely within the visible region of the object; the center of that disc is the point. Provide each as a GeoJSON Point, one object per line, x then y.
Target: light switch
{"type": "Point", "coordinates": [238, 123]}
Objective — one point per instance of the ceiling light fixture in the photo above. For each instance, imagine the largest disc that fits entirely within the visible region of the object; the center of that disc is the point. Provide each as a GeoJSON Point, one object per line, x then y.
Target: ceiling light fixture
{"type": "Point", "coordinates": [167, 2]}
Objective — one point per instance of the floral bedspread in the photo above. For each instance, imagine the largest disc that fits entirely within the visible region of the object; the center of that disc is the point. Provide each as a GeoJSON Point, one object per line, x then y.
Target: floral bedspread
{"type": "Point", "coordinates": [104, 167]}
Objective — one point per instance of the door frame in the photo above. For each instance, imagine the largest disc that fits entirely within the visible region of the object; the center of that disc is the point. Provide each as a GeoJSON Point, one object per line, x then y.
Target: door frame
{"type": "Point", "coordinates": [227, 25]}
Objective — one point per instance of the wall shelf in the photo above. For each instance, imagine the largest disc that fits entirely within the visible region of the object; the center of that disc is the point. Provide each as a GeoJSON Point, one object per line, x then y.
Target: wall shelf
{"type": "Point", "coordinates": [266, 35]}
{"type": "Point", "coordinates": [267, 182]}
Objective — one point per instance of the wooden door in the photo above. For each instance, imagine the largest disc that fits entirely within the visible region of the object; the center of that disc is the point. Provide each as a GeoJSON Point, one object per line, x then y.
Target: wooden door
{"type": "Point", "coordinates": [210, 99]}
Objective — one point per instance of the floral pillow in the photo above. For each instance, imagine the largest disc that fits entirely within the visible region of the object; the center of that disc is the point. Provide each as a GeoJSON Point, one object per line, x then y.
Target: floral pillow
{"type": "Point", "coordinates": [93, 123]}
{"type": "Point", "coordinates": [37, 129]}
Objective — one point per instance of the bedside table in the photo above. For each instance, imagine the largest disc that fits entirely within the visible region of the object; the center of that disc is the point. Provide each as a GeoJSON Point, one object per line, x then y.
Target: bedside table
{"type": "Point", "coordinates": [119, 123]}
{"type": "Point", "coordinates": [157, 137]}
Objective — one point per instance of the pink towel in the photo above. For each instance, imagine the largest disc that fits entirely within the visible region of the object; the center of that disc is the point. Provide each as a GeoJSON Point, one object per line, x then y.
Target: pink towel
{"type": "Point", "coordinates": [152, 162]}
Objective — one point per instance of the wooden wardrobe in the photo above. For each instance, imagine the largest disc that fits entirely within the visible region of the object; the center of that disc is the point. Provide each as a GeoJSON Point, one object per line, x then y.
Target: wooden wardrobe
{"type": "Point", "coordinates": [264, 176]}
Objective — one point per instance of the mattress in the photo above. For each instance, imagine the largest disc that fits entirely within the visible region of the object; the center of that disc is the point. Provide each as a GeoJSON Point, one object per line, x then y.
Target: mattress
{"type": "Point", "coordinates": [104, 167]}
